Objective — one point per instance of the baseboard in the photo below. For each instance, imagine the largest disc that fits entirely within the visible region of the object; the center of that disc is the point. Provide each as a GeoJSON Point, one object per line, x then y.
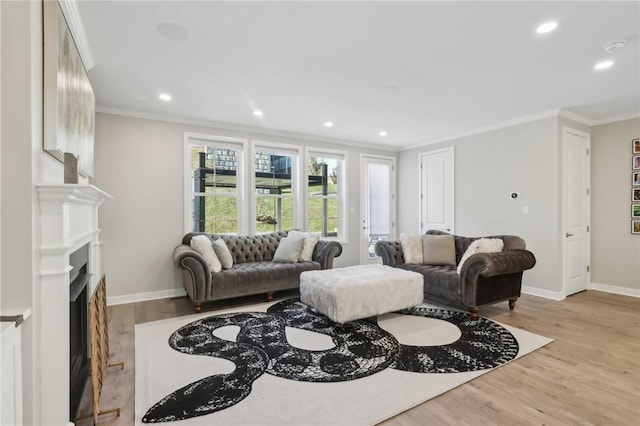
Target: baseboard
{"type": "Point", "coordinates": [141, 297]}
{"type": "Point", "coordinates": [540, 292]}
{"type": "Point", "coordinates": [625, 291]}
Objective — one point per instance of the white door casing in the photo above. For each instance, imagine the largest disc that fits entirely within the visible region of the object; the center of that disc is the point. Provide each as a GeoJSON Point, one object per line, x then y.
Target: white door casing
{"type": "Point", "coordinates": [576, 178]}
{"type": "Point", "coordinates": [436, 189]}
{"type": "Point", "coordinates": [377, 203]}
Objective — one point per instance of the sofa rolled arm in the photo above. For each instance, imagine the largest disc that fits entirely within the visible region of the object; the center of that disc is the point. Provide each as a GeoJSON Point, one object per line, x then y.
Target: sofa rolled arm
{"type": "Point", "coordinates": [196, 277]}
{"type": "Point", "coordinates": [325, 251]}
{"type": "Point", "coordinates": [501, 263]}
{"type": "Point", "coordinates": [390, 252]}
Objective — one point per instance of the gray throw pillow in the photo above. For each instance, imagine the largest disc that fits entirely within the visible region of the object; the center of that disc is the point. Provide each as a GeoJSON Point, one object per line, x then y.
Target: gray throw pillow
{"type": "Point", "coordinates": [438, 249]}
{"type": "Point", "coordinates": [223, 253]}
{"type": "Point", "coordinates": [289, 249]}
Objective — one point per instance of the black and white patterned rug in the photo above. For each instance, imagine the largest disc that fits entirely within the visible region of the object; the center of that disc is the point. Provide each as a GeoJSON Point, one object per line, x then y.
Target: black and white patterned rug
{"type": "Point", "coordinates": [352, 358]}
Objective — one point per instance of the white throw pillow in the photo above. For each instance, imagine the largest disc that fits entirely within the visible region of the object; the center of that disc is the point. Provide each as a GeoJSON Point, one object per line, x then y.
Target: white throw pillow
{"type": "Point", "coordinates": [202, 244]}
{"type": "Point", "coordinates": [223, 253]}
{"type": "Point", "coordinates": [310, 241]}
{"type": "Point", "coordinates": [411, 248]}
{"type": "Point", "coordinates": [482, 245]}
{"type": "Point", "coordinates": [289, 249]}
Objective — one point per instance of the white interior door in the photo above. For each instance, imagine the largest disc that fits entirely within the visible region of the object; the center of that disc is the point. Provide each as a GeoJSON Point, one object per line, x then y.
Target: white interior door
{"type": "Point", "coordinates": [377, 201]}
{"type": "Point", "coordinates": [437, 190]}
{"type": "Point", "coordinates": [575, 196]}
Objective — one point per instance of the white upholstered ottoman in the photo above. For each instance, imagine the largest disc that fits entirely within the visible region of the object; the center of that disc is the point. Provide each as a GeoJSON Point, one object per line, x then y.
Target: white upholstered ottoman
{"type": "Point", "coordinates": [356, 292]}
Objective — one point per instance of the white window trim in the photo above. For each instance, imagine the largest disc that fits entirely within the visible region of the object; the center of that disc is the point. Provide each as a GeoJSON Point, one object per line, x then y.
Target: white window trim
{"type": "Point", "coordinates": [296, 176]}
{"type": "Point", "coordinates": [201, 139]}
{"type": "Point", "coordinates": [312, 151]}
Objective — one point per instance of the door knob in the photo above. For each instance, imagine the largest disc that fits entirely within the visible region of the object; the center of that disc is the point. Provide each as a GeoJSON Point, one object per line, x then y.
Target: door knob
{"type": "Point", "coordinates": [568, 235]}
{"type": "Point", "coordinates": [365, 227]}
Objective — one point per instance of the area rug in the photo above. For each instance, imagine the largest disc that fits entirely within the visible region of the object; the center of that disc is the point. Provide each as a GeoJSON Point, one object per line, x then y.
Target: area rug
{"type": "Point", "coordinates": [285, 364]}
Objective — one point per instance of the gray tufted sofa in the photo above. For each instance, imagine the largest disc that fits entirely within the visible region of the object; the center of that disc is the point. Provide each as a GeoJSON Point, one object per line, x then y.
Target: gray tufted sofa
{"type": "Point", "coordinates": [485, 277]}
{"type": "Point", "coordinates": [253, 272]}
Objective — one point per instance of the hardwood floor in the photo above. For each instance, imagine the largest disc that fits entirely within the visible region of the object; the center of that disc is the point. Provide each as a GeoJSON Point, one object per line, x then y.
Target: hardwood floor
{"type": "Point", "coordinates": [589, 375]}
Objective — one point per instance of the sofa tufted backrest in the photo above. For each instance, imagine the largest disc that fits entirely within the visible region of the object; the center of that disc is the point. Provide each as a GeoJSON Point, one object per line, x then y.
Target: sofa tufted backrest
{"type": "Point", "coordinates": [244, 248]}
{"type": "Point", "coordinates": [511, 242]}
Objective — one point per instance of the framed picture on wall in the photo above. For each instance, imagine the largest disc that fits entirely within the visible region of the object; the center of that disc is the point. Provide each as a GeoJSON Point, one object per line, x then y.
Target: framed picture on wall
{"type": "Point", "coordinates": [636, 162]}
{"type": "Point", "coordinates": [635, 178]}
{"type": "Point", "coordinates": [636, 146]}
{"type": "Point", "coordinates": [69, 102]}
{"type": "Point", "coordinates": [635, 211]}
{"type": "Point", "coordinates": [635, 194]}
{"type": "Point", "coordinates": [635, 226]}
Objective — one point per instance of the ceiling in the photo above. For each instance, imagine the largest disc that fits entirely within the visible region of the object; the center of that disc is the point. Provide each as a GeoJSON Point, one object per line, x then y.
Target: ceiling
{"type": "Point", "coordinates": [421, 71]}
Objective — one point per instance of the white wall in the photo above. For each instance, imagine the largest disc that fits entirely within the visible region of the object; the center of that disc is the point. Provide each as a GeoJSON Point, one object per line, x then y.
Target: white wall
{"type": "Point", "coordinates": [16, 237]}
{"type": "Point", "coordinates": [16, 154]}
{"type": "Point", "coordinates": [140, 163]}
{"type": "Point", "coordinates": [1, 139]}
{"type": "Point", "coordinates": [615, 251]}
{"type": "Point", "coordinates": [23, 165]}
{"type": "Point", "coordinates": [524, 158]}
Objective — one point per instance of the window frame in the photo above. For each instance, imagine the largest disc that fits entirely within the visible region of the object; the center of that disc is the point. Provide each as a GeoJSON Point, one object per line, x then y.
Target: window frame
{"type": "Point", "coordinates": [313, 151]}
{"type": "Point", "coordinates": [246, 173]}
{"type": "Point", "coordinates": [214, 141]}
{"type": "Point", "coordinates": [295, 151]}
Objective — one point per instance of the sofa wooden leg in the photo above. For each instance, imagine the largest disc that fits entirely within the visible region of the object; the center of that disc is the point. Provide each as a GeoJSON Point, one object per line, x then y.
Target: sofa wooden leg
{"type": "Point", "coordinates": [474, 313]}
{"type": "Point", "coordinates": [198, 307]}
{"type": "Point", "coordinates": [512, 303]}
{"type": "Point", "coordinates": [269, 296]}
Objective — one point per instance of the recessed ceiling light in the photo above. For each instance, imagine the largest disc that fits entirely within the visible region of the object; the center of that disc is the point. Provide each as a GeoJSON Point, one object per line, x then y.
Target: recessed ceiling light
{"type": "Point", "coordinates": [547, 27]}
{"type": "Point", "coordinates": [164, 96]}
{"type": "Point", "coordinates": [603, 65]}
{"type": "Point", "coordinates": [383, 133]}
{"type": "Point", "coordinates": [328, 124]}
{"type": "Point", "coordinates": [258, 113]}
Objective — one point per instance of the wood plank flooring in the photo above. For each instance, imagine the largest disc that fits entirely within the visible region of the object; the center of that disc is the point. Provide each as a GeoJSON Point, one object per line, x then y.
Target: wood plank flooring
{"type": "Point", "coordinates": [590, 374]}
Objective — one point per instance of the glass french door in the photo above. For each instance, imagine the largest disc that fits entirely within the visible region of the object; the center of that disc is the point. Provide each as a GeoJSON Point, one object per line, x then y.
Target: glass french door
{"type": "Point", "coordinates": [377, 192]}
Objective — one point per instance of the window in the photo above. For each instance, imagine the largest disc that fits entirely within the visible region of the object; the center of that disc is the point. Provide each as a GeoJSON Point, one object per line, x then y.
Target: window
{"type": "Point", "coordinates": [237, 186]}
{"type": "Point", "coordinates": [325, 194]}
{"type": "Point", "coordinates": [274, 185]}
{"type": "Point", "coordinates": [214, 173]}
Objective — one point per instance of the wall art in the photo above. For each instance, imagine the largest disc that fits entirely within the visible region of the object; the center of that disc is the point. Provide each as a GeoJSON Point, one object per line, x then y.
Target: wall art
{"type": "Point", "coordinates": [69, 102]}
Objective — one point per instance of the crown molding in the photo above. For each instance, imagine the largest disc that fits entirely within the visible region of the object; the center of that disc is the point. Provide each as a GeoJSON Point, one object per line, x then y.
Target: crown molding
{"type": "Point", "coordinates": [256, 131]}
{"type": "Point", "coordinates": [569, 115]}
{"type": "Point", "coordinates": [573, 116]}
{"type": "Point", "coordinates": [622, 117]}
{"type": "Point", "coordinates": [480, 130]}
{"type": "Point", "coordinates": [72, 16]}
{"type": "Point", "coordinates": [564, 113]}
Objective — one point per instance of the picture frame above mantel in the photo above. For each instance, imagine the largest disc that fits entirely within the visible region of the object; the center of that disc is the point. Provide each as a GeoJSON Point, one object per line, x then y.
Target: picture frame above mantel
{"type": "Point", "coordinates": [69, 101]}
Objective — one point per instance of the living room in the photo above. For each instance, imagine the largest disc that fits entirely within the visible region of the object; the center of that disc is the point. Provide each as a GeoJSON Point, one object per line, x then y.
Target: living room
{"type": "Point", "coordinates": [139, 160]}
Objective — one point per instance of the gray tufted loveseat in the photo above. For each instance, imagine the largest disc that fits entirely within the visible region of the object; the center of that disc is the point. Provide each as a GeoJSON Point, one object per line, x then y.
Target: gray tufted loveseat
{"type": "Point", "coordinates": [484, 278]}
{"type": "Point", "coordinates": [253, 271]}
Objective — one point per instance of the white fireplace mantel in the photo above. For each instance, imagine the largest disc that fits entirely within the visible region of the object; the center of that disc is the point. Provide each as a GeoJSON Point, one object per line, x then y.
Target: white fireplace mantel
{"type": "Point", "coordinates": [68, 221]}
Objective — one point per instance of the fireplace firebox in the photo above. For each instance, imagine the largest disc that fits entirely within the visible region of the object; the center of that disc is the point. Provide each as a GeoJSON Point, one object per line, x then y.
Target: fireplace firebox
{"type": "Point", "coordinates": [78, 327]}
